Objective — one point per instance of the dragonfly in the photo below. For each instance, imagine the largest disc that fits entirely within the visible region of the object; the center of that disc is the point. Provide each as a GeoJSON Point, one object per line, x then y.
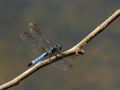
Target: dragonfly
{"type": "Point", "coordinates": [41, 46]}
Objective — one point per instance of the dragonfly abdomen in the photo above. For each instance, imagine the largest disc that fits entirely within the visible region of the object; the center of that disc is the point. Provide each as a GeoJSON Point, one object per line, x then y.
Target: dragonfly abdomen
{"type": "Point", "coordinates": [37, 59]}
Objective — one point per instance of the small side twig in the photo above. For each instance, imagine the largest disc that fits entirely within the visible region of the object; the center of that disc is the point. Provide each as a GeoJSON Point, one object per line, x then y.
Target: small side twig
{"type": "Point", "coordinates": [77, 49]}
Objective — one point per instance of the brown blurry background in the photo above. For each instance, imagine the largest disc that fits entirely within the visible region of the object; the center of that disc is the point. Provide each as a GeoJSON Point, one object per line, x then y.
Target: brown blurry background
{"type": "Point", "coordinates": [66, 22]}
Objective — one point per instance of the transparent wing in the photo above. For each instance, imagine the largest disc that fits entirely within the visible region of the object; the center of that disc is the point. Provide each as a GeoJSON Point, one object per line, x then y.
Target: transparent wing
{"type": "Point", "coordinates": [30, 42]}
{"type": "Point", "coordinates": [63, 65]}
{"type": "Point", "coordinates": [38, 36]}
{"type": "Point", "coordinates": [35, 40]}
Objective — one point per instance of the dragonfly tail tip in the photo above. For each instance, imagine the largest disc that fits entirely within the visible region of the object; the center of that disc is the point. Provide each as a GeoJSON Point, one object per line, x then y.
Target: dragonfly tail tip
{"type": "Point", "coordinates": [29, 64]}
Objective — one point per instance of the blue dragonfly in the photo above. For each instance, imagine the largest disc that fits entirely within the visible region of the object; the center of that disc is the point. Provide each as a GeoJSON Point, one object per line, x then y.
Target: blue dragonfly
{"type": "Point", "coordinates": [40, 45]}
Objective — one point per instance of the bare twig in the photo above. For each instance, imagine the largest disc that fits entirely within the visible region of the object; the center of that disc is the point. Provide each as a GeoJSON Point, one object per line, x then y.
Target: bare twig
{"type": "Point", "coordinates": [77, 49]}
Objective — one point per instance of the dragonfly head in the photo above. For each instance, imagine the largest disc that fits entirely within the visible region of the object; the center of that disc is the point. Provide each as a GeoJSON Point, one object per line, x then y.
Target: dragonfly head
{"type": "Point", "coordinates": [58, 47]}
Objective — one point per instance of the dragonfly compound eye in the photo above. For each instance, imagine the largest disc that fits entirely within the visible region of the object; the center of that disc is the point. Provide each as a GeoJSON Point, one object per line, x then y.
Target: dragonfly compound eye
{"type": "Point", "coordinates": [59, 46]}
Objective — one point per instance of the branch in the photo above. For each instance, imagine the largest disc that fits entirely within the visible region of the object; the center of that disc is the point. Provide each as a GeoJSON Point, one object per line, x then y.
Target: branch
{"type": "Point", "coordinates": [77, 49]}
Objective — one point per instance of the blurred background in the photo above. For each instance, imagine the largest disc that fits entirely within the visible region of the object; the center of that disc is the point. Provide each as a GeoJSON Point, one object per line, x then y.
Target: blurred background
{"type": "Point", "coordinates": [66, 22]}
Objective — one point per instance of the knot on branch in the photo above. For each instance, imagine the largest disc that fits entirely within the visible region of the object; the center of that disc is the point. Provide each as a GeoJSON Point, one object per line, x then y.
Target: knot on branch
{"type": "Point", "coordinates": [79, 51]}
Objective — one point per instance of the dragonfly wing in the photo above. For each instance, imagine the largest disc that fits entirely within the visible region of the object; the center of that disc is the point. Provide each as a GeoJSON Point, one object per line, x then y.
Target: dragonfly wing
{"type": "Point", "coordinates": [35, 39]}
{"type": "Point", "coordinates": [30, 42]}
{"type": "Point", "coordinates": [38, 36]}
{"type": "Point", "coordinates": [63, 65]}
